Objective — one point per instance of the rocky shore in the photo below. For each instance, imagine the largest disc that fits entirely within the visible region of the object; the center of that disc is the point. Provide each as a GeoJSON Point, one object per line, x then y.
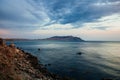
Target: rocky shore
{"type": "Point", "coordinates": [15, 64]}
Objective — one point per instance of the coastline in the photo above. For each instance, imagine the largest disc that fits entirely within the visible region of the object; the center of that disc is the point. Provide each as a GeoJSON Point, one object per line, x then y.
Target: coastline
{"type": "Point", "coordinates": [16, 64]}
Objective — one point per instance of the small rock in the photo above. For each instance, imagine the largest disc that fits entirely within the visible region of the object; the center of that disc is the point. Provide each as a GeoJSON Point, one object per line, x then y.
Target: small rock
{"type": "Point", "coordinates": [47, 64]}
{"type": "Point", "coordinates": [79, 53]}
{"type": "Point", "coordinates": [107, 79]}
{"type": "Point", "coordinates": [39, 49]}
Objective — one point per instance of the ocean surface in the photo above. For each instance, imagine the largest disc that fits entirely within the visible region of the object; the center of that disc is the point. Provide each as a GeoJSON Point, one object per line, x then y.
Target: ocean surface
{"type": "Point", "coordinates": [98, 59]}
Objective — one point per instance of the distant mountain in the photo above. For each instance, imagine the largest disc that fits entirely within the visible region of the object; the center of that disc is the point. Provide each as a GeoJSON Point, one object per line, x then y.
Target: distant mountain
{"type": "Point", "coordinates": [15, 39]}
{"type": "Point", "coordinates": [54, 38]}
{"type": "Point", "coordinates": [65, 38]}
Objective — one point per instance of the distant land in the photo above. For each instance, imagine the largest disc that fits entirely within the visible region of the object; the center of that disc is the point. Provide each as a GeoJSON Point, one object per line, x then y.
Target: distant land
{"type": "Point", "coordinates": [65, 38]}
{"type": "Point", "coordinates": [15, 39]}
{"type": "Point", "coordinates": [54, 38]}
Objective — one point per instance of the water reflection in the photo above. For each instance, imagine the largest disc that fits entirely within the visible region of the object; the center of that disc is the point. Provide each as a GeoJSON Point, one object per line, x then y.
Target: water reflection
{"type": "Point", "coordinates": [99, 59]}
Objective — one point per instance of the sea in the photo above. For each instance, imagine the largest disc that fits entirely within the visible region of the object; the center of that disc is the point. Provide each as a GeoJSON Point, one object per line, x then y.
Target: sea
{"type": "Point", "coordinates": [98, 59]}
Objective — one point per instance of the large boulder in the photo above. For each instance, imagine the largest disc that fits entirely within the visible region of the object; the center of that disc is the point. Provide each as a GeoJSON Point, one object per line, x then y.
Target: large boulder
{"type": "Point", "coordinates": [2, 42]}
{"type": "Point", "coordinates": [12, 45]}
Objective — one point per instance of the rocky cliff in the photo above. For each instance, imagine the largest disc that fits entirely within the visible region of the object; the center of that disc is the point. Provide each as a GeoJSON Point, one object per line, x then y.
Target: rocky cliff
{"type": "Point", "coordinates": [15, 64]}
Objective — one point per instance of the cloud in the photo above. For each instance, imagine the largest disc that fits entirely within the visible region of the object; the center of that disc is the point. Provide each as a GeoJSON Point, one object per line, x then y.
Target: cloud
{"type": "Point", "coordinates": [105, 28]}
{"type": "Point", "coordinates": [93, 34]}
{"type": "Point", "coordinates": [43, 12]}
{"type": "Point", "coordinates": [41, 18]}
{"type": "Point", "coordinates": [2, 31]}
{"type": "Point", "coordinates": [57, 27]}
{"type": "Point", "coordinates": [107, 3]}
{"type": "Point", "coordinates": [80, 11]}
{"type": "Point", "coordinates": [14, 12]}
{"type": "Point", "coordinates": [107, 22]}
{"type": "Point", "coordinates": [22, 13]}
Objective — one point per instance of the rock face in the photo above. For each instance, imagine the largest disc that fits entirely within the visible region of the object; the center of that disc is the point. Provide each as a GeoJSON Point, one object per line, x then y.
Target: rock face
{"type": "Point", "coordinates": [65, 38]}
{"type": "Point", "coordinates": [15, 64]}
{"type": "Point", "coordinates": [2, 42]}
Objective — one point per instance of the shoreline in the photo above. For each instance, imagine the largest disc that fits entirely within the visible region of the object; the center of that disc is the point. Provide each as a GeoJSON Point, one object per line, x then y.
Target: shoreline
{"type": "Point", "coordinates": [16, 64]}
{"type": "Point", "coordinates": [35, 63]}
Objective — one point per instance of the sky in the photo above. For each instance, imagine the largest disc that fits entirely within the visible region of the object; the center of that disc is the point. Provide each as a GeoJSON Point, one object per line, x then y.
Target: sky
{"type": "Point", "coordinates": [88, 19]}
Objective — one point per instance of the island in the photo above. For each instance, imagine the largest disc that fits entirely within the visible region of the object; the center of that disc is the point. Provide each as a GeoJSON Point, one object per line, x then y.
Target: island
{"type": "Point", "coordinates": [65, 38]}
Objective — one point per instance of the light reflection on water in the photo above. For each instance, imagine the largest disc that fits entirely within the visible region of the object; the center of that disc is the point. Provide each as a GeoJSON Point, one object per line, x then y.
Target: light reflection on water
{"type": "Point", "coordinates": [99, 59]}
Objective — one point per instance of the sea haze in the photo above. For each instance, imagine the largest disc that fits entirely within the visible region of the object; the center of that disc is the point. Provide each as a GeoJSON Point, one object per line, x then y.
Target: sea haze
{"type": "Point", "coordinates": [98, 59]}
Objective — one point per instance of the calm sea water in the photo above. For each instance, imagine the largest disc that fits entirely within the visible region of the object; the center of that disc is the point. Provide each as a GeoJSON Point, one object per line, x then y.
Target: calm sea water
{"type": "Point", "coordinates": [99, 59]}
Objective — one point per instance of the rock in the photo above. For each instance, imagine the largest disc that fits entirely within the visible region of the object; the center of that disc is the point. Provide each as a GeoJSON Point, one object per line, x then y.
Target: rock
{"type": "Point", "coordinates": [47, 64]}
{"type": "Point", "coordinates": [2, 42]}
{"type": "Point", "coordinates": [16, 64]}
{"type": "Point", "coordinates": [39, 49]}
{"type": "Point", "coordinates": [12, 45]}
{"type": "Point", "coordinates": [79, 53]}
{"type": "Point", "coordinates": [107, 79]}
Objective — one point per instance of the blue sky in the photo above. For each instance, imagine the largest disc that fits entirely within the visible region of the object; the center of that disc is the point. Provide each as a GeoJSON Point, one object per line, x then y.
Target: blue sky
{"type": "Point", "coordinates": [88, 19]}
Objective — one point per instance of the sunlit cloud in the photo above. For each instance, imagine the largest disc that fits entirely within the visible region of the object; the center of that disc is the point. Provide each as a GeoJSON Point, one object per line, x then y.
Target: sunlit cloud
{"type": "Point", "coordinates": [107, 22]}
{"type": "Point", "coordinates": [2, 31]}
{"type": "Point", "coordinates": [106, 28]}
{"type": "Point", "coordinates": [106, 3]}
{"type": "Point", "coordinates": [57, 27]}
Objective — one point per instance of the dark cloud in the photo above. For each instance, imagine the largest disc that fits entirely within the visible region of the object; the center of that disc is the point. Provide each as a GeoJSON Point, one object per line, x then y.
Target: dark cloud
{"type": "Point", "coordinates": [80, 10]}
{"type": "Point", "coordinates": [32, 14]}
